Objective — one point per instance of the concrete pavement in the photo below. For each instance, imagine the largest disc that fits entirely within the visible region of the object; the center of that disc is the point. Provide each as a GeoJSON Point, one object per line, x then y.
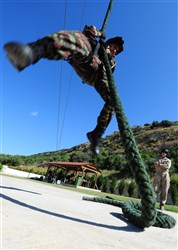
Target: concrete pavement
{"type": "Point", "coordinates": [38, 216]}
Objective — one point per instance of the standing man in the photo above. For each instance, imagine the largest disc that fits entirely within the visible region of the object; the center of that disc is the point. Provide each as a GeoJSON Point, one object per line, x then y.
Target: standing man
{"type": "Point", "coordinates": [77, 48]}
{"type": "Point", "coordinates": [162, 179]}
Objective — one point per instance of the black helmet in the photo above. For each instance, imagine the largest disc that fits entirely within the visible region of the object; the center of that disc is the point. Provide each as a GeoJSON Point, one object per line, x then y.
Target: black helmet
{"type": "Point", "coordinates": [165, 150]}
{"type": "Point", "coordinates": [118, 40]}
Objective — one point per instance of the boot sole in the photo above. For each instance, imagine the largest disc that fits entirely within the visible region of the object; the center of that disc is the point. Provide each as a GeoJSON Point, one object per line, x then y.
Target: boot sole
{"type": "Point", "coordinates": [95, 149]}
{"type": "Point", "coordinates": [18, 55]}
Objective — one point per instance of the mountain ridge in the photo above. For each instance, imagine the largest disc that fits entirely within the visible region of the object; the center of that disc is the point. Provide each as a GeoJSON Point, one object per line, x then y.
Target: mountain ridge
{"type": "Point", "coordinates": [148, 137]}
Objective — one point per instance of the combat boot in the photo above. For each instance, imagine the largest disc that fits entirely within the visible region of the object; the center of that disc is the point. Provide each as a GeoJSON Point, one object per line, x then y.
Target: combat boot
{"type": "Point", "coordinates": [94, 143]}
{"type": "Point", "coordinates": [22, 56]}
{"type": "Point", "coordinates": [94, 138]}
{"type": "Point", "coordinates": [19, 55]}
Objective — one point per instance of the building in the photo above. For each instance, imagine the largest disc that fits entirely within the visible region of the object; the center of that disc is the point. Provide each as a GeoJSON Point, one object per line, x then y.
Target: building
{"type": "Point", "coordinates": [72, 173]}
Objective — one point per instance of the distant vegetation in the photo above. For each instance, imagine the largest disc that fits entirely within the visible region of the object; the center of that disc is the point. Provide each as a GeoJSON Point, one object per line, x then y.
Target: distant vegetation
{"type": "Point", "coordinates": [150, 138]}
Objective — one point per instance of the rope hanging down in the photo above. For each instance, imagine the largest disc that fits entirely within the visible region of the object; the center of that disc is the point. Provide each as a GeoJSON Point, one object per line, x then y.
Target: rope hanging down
{"type": "Point", "coordinates": [142, 214]}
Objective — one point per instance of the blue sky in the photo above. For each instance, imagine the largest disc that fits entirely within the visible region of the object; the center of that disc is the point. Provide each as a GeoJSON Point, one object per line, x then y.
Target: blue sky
{"type": "Point", "coordinates": [46, 107]}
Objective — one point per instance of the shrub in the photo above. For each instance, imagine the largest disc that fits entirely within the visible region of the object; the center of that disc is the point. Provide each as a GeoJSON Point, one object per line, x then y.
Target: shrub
{"type": "Point", "coordinates": [113, 185]}
{"type": "Point", "coordinates": [122, 186]}
{"type": "Point", "coordinates": [155, 124]}
{"type": "Point", "coordinates": [131, 188]}
{"type": "Point", "coordinates": [100, 181]}
{"type": "Point", "coordinates": [174, 188]}
{"type": "Point", "coordinates": [174, 179]}
{"type": "Point", "coordinates": [173, 191]}
{"type": "Point", "coordinates": [1, 166]}
{"type": "Point", "coordinates": [105, 186]}
{"type": "Point", "coordinates": [166, 123]}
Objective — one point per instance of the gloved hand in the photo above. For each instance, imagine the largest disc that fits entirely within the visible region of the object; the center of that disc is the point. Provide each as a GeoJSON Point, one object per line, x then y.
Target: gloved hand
{"type": "Point", "coordinates": [103, 34]}
{"type": "Point", "coordinates": [102, 41]}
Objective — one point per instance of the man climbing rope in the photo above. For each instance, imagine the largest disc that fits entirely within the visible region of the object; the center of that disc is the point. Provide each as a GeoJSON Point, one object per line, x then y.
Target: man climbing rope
{"type": "Point", "coordinates": [78, 48]}
{"type": "Point", "coordinates": [161, 179]}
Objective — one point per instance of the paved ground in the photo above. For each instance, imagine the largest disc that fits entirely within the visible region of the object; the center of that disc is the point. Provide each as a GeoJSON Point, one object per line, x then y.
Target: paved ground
{"type": "Point", "coordinates": [38, 216]}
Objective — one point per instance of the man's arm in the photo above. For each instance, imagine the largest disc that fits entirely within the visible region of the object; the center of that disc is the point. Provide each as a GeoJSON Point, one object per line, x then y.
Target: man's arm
{"type": "Point", "coordinates": [165, 164]}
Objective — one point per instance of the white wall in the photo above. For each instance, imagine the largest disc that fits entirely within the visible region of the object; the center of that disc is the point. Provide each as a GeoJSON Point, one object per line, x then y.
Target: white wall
{"type": "Point", "coordinates": [10, 171]}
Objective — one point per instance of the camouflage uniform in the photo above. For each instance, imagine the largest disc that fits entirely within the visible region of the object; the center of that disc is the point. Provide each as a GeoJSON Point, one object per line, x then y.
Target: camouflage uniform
{"type": "Point", "coordinates": [161, 179]}
{"type": "Point", "coordinates": [79, 46]}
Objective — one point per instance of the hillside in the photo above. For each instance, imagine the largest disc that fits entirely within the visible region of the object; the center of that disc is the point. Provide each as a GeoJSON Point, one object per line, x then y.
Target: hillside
{"type": "Point", "coordinates": [149, 138]}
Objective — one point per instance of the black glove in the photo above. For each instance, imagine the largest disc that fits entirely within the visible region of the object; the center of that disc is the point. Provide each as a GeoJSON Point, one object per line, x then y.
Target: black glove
{"type": "Point", "coordinates": [102, 41]}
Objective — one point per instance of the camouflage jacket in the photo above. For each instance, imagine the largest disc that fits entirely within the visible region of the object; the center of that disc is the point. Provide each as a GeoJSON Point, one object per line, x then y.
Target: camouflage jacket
{"type": "Point", "coordinates": [91, 69]}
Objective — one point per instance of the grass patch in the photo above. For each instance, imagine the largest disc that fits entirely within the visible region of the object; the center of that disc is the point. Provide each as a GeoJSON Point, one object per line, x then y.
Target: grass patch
{"type": "Point", "coordinates": [170, 208]}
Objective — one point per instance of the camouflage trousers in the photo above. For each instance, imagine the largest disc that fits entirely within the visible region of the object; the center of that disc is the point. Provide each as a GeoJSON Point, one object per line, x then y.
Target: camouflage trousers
{"type": "Point", "coordinates": [161, 186]}
{"type": "Point", "coordinates": [70, 43]}
{"type": "Point", "coordinates": [107, 112]}
{"type": "Point", "coordinates": [76, 45]}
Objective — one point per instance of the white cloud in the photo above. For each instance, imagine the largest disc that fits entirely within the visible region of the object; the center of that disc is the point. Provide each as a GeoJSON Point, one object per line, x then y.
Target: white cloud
{"type": "Point", "coordinates": [34, 113]}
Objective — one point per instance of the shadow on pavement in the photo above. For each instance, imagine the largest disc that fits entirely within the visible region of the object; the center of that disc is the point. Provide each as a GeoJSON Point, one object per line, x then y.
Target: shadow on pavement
{"type": "Point", "coordinates": [129, 226]}
{"type": "Point", "coordinates": [18, 189]}
{"type": "Point", "coordinates": [132, 228]}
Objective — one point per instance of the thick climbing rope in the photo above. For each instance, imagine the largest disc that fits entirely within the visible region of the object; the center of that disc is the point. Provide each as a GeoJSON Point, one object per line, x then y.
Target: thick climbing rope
{"type": "Point", "coordinates": [132, 211]}
{"type": "Point", "coordinates": [142, 214]}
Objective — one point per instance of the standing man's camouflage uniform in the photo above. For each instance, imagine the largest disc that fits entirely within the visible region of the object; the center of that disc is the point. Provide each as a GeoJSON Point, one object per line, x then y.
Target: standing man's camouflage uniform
{"type": "Point", "coordinates": [161, 179]}
{"type": "Point", "coordinates": [77, 48]}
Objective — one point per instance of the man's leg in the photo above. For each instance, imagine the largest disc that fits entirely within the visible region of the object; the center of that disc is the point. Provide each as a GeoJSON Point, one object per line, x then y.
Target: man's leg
{"type": "Point", "coordinates": [156, 185]}
{"type": "Point", "coordinates": [56, 46]}
{"type": "Point", "coordinates": [165, 184]}
{"type": "Point", "coordinates": [104, 117]}
{"type": "Point", "coordinates": [103, 121]}
{"type": "Point", "coordinates": [22, 56]}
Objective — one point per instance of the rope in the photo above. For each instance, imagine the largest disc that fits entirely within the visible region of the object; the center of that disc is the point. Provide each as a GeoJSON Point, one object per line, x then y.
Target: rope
{"type": "Point", "coordinates": [133, 157]}
{"type": "Point", "coordinates": [131, 211]}
{"type": "Point", "coordinates": [107, 15]}
{"type": "Point", "coordinates": [144, 214]}
{"type": "Point", "coordinates": [104, 25]}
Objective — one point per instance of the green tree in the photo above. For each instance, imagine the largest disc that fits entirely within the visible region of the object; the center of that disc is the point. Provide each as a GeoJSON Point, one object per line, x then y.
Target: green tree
{"type": "Point", "coordinates": [99, 182]}
{"type": "Point", "coordinates": [118, 161]}
{"type": "Point", "coordinates": [173, 192]}
{"type": "Point", "coordinates": [131, 188]}
{"type": "Point", "coordinates": [1, 166]}
{"type": "Point", "coordinates": [101, 160]}
{"type": "Point", "coordinates": [113, 185]}
{"type": "Point", "coordinates": [122, 186]}
{"type": "Point", "coordinates": [173, 155]}
{"type": "Point", "coordinates": [125, 172]}
{"type": "Point", "coordinates": [174, 188]}
{"type": "Point", "coordinates": [78, 156]}
{"type": "Point", "coordinates": [155, 124]}
{"type": "Point", "coordinates": [149, 160]}
{"type": "Point", "coordinates": [65, 157]}
{"type": "Point", "coordinates": [165, 123]}
{"type": "Point", "coordinates": [105, 186]}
